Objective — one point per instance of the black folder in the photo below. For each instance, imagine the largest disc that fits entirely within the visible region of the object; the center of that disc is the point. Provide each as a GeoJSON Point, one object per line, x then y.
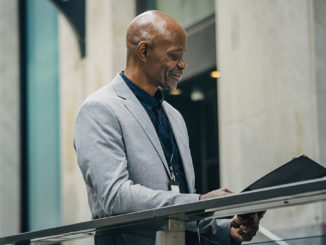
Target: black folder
{"type": "Point", "coordinates": [298, 169]}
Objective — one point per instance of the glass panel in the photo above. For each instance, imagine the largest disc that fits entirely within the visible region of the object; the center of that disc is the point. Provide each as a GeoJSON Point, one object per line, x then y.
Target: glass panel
{"type": "Point", "coordinates": [316, 240]}
{"type": "Point", "coordinates": [43, 115]}
{"type": "Point", "coordinates": [277, 226]}
{"type": "Point", "coordinates": [187, 12]}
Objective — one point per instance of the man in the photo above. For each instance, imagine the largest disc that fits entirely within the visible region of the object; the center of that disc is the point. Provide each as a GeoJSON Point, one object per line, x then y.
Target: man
{"type": "Point", "coordinates": [132, 146]}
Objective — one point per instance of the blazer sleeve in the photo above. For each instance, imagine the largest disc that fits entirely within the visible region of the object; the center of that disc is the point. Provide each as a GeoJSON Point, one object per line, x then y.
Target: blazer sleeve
{"type": "Point", "coordinates": [215, 231]}
{"type": "Point", "coordinates": [101, 156]}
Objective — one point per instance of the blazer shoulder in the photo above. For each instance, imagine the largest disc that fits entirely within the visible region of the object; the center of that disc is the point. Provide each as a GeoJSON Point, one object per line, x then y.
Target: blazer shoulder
{"type": "Point", "coordinates": [106, 95]}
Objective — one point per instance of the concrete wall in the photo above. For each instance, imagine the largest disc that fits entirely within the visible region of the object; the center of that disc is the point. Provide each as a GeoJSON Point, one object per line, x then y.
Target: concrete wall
{"type": "Point", "coordinates": [9, 119]}
{"type": "Point", "coordinates": [268, 107]}
{"type": "Point", "coordinates": [320, 63]}
{"type": "Point", "coordinates": [106, 24]}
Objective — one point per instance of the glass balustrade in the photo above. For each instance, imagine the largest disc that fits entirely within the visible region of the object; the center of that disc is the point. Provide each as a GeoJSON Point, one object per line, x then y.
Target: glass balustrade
{"type": "Point", "coordinates": [286, 222]}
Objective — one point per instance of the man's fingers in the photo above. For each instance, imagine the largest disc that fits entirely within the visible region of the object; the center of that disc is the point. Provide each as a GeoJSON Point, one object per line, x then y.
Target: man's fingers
{"type": "Point", "coordinates": [245, 236]}
{"type": "Point", "coordinates": [236, 235]}
{"type": "Point", "coordinates": [261, 214]}
{"type": "Point", "coordinates": [255, 218]}
{"type": "Point", "coordinates": [252, 230]}
{"type": "Point", "coordinates": [252, 220]}
{"type": "Point", "coordinates": [216, 193]}
{"type": "Point", "coordinates": [226, 190]}
{"type": "Point", "coordinates": [246, 227]}
{"type": "Point", "coordinates": [234, 223]}
{"type": "Point", "coordinates": [243, 221]}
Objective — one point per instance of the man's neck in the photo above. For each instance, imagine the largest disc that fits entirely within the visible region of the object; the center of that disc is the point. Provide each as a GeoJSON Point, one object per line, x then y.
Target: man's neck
{"type": "Point", "coordinates": [141, 81]}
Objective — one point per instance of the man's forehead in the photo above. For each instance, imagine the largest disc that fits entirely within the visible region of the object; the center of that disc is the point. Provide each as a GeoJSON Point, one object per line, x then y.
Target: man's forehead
{"type": "Point", "coordinates": [175, 41]}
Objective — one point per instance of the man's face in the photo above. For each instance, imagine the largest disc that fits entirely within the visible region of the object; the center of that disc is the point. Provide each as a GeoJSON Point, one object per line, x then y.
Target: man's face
{"type": "Point", "coordinates": [165, 63]}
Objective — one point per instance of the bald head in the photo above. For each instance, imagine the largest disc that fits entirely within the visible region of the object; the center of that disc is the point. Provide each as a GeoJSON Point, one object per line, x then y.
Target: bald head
{"type": "Point", "coordinates": [151, 27]}
{"type": "Point", "coordinates": [155, 46]}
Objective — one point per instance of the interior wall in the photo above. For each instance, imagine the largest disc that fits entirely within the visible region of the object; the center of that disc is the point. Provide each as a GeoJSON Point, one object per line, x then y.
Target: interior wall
{"type": "Point", "coordinates": [267, 94]}
{"type": "Point", "coordinates": [319, 8]}
{"type": "Point", "coordinates": [9, 119]}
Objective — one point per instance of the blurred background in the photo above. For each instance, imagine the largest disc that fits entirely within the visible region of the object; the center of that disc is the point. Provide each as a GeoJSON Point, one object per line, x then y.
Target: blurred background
{"type": "Point", "coordinates": [253, 97]}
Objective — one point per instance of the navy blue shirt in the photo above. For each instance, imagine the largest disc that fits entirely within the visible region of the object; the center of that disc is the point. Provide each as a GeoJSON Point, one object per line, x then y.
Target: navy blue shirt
{"type": "Point", "coordinates": [153, 107]}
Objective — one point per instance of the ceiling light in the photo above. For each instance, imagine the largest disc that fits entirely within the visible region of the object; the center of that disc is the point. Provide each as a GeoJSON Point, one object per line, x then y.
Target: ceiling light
{"type": "Point", "coordinates": [197, 95]}
{"type": "Point", "coordinates": [215, 74]}
{"type": "Point", "coordinates": [175, 91]}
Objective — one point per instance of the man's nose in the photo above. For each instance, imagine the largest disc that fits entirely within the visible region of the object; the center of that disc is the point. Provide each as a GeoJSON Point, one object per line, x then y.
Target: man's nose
{"type": "Point", "coordinates": [182, 64]}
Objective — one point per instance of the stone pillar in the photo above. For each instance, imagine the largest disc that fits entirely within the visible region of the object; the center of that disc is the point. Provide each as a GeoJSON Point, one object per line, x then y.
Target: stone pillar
{"type": "Point", "coordinates": [106, 24]}
{"type": "Point", "coordinates": [320, 64]}
{"type": "Point", "coordinates": [9, 119]}
{"type": "Point", "coordinates": [272, 62]}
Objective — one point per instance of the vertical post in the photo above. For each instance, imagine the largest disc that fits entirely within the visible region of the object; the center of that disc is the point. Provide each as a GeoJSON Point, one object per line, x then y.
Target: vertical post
{"type": "Point", "coordinates": [175, 234]}
{"type": "Point", "coordinates": [42, 115]}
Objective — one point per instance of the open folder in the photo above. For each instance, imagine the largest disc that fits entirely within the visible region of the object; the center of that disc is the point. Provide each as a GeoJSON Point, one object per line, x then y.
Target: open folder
{"type": "Point", "coordinates": [298, 169]}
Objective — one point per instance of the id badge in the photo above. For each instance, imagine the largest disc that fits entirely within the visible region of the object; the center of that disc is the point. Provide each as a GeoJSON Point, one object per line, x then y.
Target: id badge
{"type": "Point", "coordinates": [174, 187]}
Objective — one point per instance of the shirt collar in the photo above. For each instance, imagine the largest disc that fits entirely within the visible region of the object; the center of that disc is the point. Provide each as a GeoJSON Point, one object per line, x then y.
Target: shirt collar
{"type": "Point", "coordinates": [145, 98]}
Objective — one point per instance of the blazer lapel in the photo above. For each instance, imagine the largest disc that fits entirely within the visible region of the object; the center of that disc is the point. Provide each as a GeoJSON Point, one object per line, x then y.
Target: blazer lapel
{"type": "Point", "coordinates": [139, 113]}
{"type": "Point", "coordinates": [188, 170]}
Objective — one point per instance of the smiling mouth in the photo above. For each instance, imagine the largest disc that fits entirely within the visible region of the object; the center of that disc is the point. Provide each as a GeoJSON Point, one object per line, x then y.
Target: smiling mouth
{"type": "Point", "coordinates": [177, 75]}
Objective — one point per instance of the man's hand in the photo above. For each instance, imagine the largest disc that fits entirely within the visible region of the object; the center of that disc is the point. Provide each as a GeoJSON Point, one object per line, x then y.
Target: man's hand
{"type": "Point", "coordinates": [215, 193]}
{"type": "Point", "coordinates": [244, 228]}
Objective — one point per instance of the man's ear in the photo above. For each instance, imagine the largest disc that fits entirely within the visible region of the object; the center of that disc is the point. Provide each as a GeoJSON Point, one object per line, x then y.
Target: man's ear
{"type": "Point", "coordinates": [143, 50]}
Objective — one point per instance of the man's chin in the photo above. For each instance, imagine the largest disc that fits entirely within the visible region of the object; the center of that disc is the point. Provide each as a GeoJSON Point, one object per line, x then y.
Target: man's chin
{"type": "Point", "coordinates": [173, 84]}
{"type": "Point", "coordinates": [170, 84]}
{"type": "Point", "coordinates": [168, 88]}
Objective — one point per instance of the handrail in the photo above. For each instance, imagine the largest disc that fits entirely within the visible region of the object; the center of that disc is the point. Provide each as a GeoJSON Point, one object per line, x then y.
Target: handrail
{"type": "Point", "coordinates": [247, 202]}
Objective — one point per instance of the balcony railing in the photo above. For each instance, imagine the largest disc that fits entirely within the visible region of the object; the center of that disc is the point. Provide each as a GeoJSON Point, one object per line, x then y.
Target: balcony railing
{"type": "Point", "coordinates": [175, 217]}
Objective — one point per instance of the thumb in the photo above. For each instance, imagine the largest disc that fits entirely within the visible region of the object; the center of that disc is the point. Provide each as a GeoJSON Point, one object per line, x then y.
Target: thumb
{"type": "Point", "coordinates": [255, 218]}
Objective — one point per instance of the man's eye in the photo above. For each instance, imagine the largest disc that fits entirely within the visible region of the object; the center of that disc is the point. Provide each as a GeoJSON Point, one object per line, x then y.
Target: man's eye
{"type": "Point", "coordinates": [174, 56]}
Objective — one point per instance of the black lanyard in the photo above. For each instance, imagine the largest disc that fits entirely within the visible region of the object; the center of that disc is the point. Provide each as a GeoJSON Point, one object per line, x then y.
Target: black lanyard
{"type": "Point", "coordinates": [171, 170]}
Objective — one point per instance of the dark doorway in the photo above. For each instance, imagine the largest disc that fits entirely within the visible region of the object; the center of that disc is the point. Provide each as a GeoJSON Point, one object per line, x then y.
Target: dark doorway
{"type": "Point", "coordinates": [196, 99]}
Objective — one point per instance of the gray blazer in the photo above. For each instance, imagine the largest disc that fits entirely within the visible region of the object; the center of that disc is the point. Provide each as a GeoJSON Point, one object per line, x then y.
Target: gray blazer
{"type": "Point", "coordinates": [121, 158]}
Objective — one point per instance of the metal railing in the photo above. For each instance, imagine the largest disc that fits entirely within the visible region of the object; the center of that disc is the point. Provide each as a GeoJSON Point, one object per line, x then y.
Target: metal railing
{"type": "Point", "coordinates": [175, 217]}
